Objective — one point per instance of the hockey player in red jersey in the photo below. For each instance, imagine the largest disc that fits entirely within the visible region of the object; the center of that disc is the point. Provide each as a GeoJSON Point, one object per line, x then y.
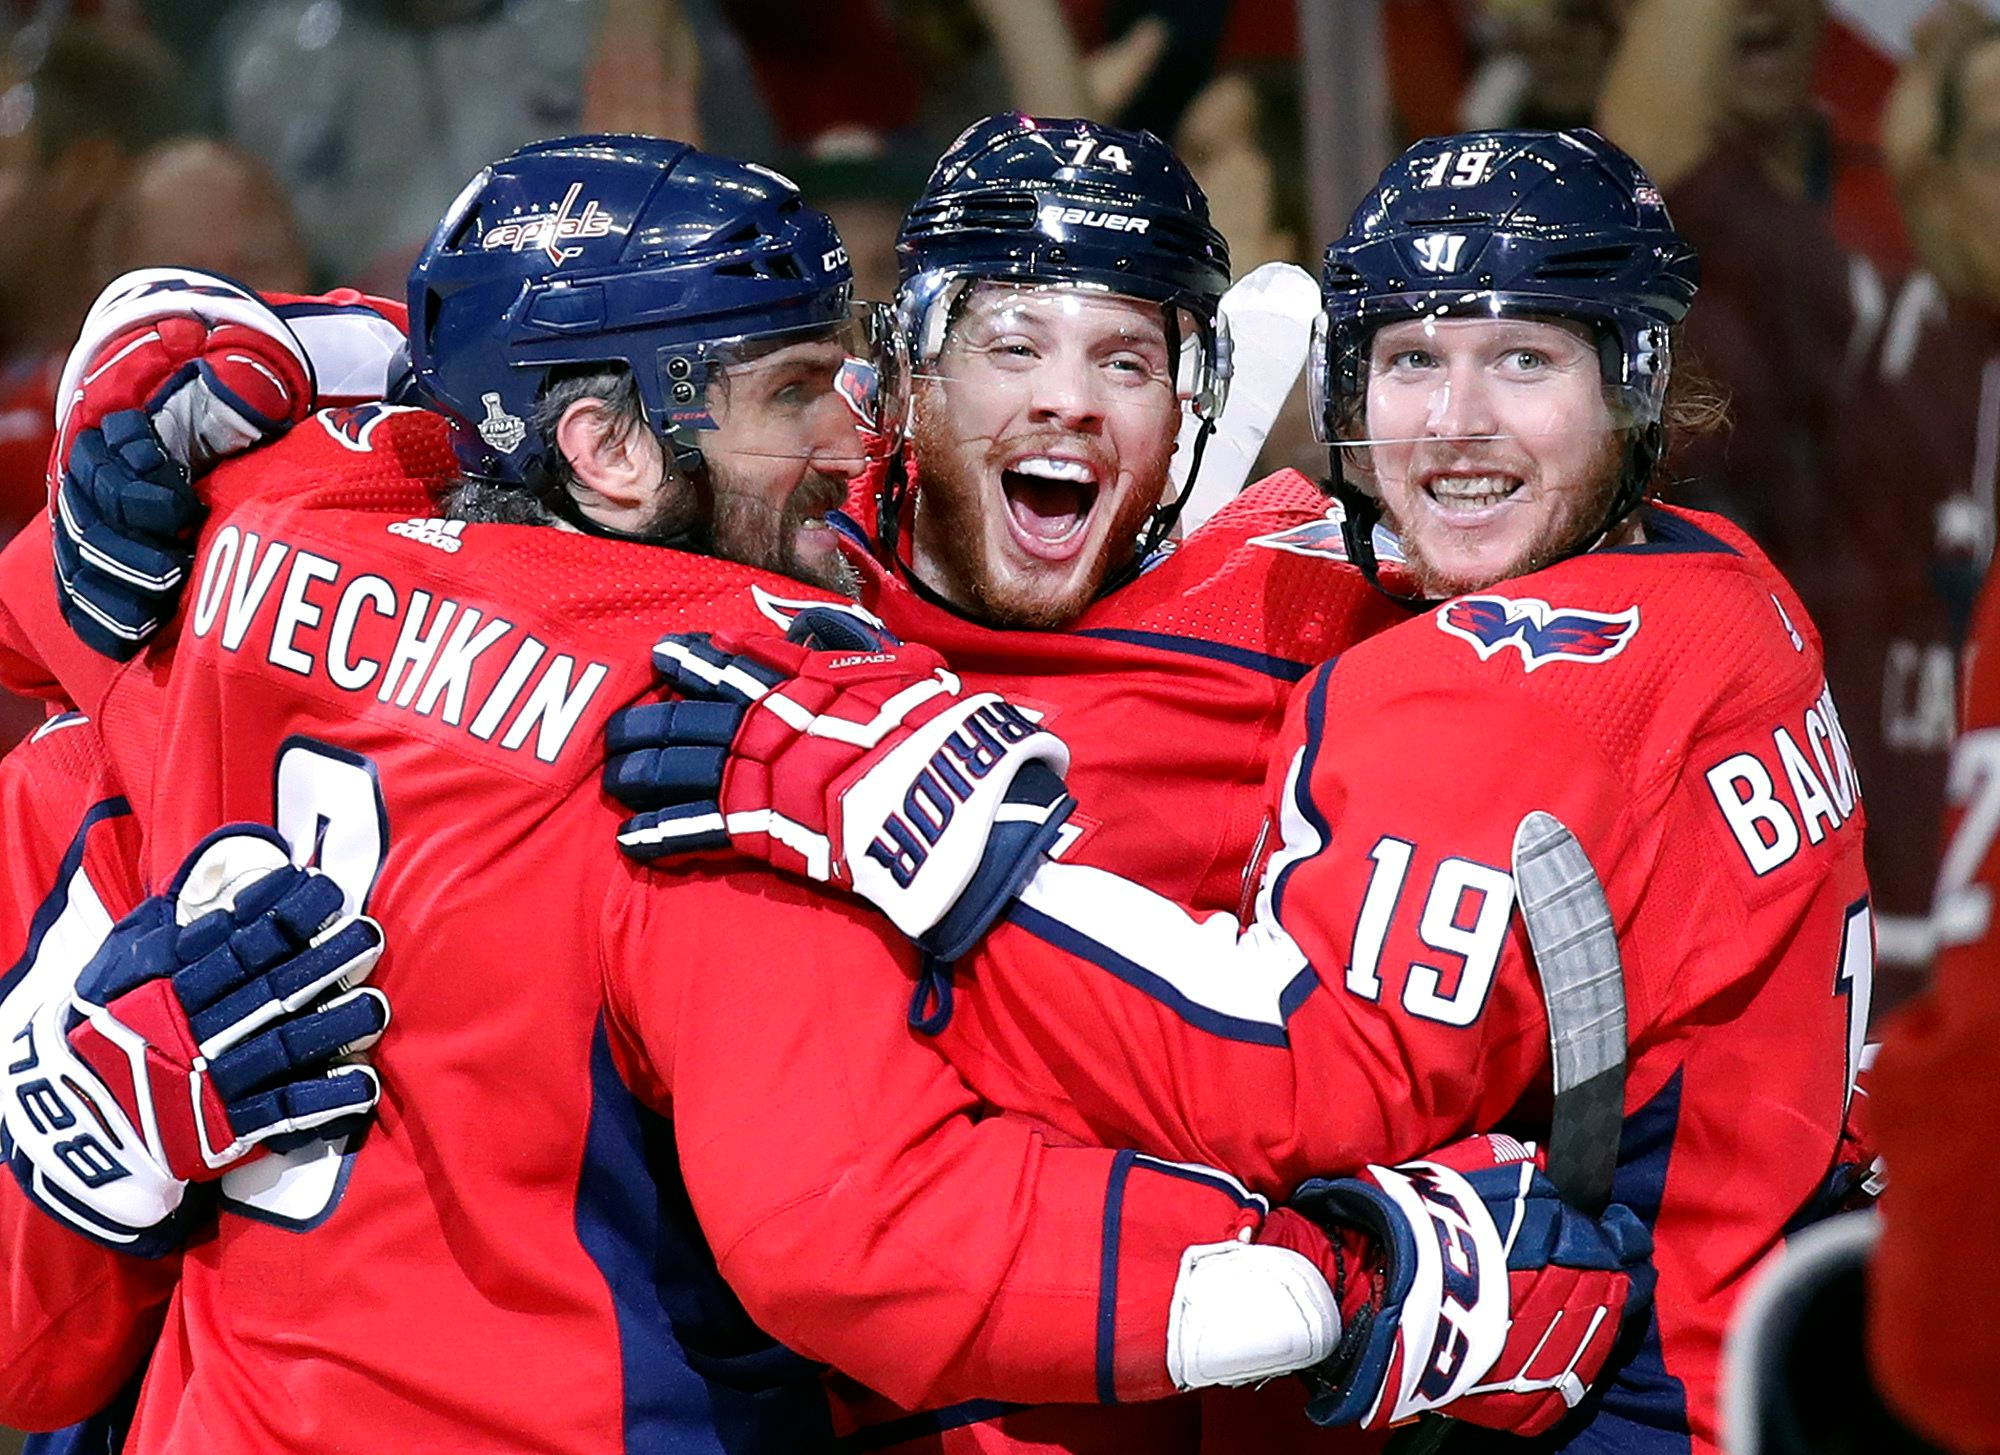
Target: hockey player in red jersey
{"type": "Point", "coordinates": [1495, 368]}
{"type": "Point", "coordinates": [342, 485]}
{"type": "Point", "coordinates": [1933, 1094]}
{"type": "Point", "coordinates": [94, 1006]}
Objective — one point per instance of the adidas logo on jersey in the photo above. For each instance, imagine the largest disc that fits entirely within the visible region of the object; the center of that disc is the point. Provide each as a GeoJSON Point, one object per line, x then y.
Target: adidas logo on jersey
{"type": "Point", "coordinates": [444, 534]}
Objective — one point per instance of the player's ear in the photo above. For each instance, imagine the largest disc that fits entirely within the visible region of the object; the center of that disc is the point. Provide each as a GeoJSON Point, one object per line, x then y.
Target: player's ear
{"type": "Point", "coordinates": [621, 466]}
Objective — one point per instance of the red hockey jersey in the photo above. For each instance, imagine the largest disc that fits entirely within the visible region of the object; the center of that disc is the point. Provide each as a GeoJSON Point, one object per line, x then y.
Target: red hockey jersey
{"type": "Point", "coordinates": [417, 703]}
{"type": "Point", "coordinates": [75, 1318]}
{"type": "Point", "coordinates": [1934, 1097]}
{"type": "Point", "coordinates": [1667, 701]}
{"type": "Point", "coordinates": [1171, 690]}
{"type": "Point", "coordinates": [1205, 648]}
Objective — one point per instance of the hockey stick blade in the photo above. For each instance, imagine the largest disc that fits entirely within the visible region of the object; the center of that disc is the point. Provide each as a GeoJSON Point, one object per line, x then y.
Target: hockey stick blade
{"type": "Point", "coordinates": [1583, 983]}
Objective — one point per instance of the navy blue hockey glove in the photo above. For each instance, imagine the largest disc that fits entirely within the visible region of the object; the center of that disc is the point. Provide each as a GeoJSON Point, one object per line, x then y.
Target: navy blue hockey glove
{"type": "Point", "coordinates": [124, 536]}
{"type": "Point", "coordinates": [866, 767]}
{"type": "Point", "coordinates": [1496, 1303]}
{"type": "Point", "coordinates": [215, 1020]}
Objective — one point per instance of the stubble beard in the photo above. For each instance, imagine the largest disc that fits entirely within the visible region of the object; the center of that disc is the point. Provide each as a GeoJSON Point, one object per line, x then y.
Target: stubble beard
{"type": "Point", "coordinates": [748, 531]}
{"type": "Point", "coordinates": [1574, 527]}
{"type": "Point", "coordinates": [950, 495]}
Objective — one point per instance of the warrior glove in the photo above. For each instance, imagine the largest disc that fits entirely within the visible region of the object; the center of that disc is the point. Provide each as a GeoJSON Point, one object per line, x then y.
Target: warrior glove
{"type": "Point", "coordinates": [870, 768]}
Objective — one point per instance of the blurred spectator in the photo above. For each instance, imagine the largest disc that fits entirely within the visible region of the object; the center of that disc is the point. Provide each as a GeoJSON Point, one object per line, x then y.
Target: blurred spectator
{"type": "Point", "coordinates": [1715, 97]}
{"type": "Point", "coordinates": [1916, 454]}
{"type": "Point", "coordinates": [1935, 1092]}
{"type": "Point", "coordinates": [1431, 54]}
{"type": "Point", "coordinates": [80, 101]}
{"type": "Point", "coordinates": [1191, 34]}
{"type": "Point", "coordinates": [1545, 66]}
{"type": "Point", "coordinates": [1748, 92]}
{"type": "Point", "coordinates": [375, 112]}
{"type": "Point", "coordinates": [646, 74]}
{"type": "Point", "coordinates": [1241, 138]}
{"type": "Point", "coordinates": [208, 205]}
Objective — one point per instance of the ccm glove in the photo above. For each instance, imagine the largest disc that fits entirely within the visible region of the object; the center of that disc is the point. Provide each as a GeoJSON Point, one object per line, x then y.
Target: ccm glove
{"type": "Point", "coordinates": [1492, 1300]}
{"type": "Point", "coordinates": [214, 1019]}
{"type": "Point", "coordinates": [869, 768]}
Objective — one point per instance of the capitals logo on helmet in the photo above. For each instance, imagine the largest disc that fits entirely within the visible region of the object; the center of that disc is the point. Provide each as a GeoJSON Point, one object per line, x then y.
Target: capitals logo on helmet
{"type": "Point", "coordinates": [607, 250]}
{"type": "Point", "coordinates": [1541, 633]}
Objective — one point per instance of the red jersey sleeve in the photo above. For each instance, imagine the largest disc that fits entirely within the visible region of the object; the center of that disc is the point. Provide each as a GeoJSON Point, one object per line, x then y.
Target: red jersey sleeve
{"type": "Point", "coordinates": [865, 1206]}
{"type": "Point", "coordinates": [76, 1319]}
{"type": "Point", "coordinates": [1934, 1106]}
{"type": "Point", "coordinates": [1379, 1002]}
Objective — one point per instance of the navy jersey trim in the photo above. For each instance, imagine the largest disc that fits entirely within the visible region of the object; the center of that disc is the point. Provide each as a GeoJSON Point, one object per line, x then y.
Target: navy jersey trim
{"type": "Point", "coordinates": [1302, 787]}
{"type": "Point", "coordinates": [1107, 1278]}
{"type": "Point", "coordinates": [850, 528]}
{"type": "Point", "coordinates": [928, 1422]}
{"type": "Point", "coordinates": [739, 1392]}
{"type": "Point", "coordinates": [1644, 1410]}
{"type": "Point", "coordinates": [51, 908]}
{"type": "Point", "coordinates": [1669, 534]}
{"type": "Point", "coordinates": [1235, 1028]}
{"type": "Point", "coordinates": [104, 1433]}
{"type": "Point", "coordinates": [1284, 669]}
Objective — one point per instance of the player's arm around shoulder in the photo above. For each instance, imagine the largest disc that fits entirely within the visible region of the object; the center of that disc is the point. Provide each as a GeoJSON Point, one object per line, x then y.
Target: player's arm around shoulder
{"type": "Point", "coordinates": [75, 1317]}
{"type": "Point", "coordinates": [864, 1205]}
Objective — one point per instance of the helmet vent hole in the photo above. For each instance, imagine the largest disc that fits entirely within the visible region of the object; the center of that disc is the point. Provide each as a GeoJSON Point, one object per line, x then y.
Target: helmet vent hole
{"type": "Point", "coordinates": [1454, 219]}
{"type": "Point", "coordinates": [1585, 263]}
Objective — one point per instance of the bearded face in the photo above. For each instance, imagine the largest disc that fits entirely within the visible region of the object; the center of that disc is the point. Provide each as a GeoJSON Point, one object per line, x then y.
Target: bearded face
{"type": "Point", "coordinates": [1494, 449]}
{"type": "Point", "coordinates": [1043, 433]}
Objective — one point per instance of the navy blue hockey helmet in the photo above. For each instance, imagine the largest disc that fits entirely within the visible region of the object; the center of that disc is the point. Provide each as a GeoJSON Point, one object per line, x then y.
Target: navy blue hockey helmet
{"type": "Point", "coordinates": [1059, 200]}
{"type": "Point", "coordinates": [612, 249]}
{"type": "Point", "coordinates": [1551, 224]}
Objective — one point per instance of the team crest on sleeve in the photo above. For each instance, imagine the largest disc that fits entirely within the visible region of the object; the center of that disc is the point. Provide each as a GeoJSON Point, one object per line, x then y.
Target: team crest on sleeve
{"type": "Point", "coordinates": [1312, 538]}
{"type": "Point", "coordinates": [1322, 537]}
{"type": "Point", "coordinates": [1541, 633]}
{"type": "Point", "coordinates": [784, 610]}
{"type": "Point", "coordinates": [354, 425]}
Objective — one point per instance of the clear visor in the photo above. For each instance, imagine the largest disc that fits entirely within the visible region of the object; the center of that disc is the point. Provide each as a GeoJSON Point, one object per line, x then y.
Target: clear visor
{"type": "Point", "coordinates": [1079, 343]}
{"type": "Point", "coordinates": [1480, 384]}
{"type": "Point", "coordinates": [819, 393]}
{"type": "Point", "coordinates": [1068, 399]}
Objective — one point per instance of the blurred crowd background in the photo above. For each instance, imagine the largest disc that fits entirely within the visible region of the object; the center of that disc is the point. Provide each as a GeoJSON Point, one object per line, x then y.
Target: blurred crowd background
{"type": "Point", "coordinates": [1837, 163]}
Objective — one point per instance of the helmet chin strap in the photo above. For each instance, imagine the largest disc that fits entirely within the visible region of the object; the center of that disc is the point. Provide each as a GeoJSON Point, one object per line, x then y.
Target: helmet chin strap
{"type": "Point", "coordinates": [1362, 512]}
{"type": "Point", "coordinates": [1160, 524]}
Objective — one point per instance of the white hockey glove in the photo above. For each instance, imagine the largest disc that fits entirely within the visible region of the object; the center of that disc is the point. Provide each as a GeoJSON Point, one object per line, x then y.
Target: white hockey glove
{"type": "Point", "coordinates": [216, 1020]}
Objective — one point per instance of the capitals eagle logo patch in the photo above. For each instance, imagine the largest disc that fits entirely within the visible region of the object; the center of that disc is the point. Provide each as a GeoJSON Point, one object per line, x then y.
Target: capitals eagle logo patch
{"type": "Point", "coordinates": [1541, 633]}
